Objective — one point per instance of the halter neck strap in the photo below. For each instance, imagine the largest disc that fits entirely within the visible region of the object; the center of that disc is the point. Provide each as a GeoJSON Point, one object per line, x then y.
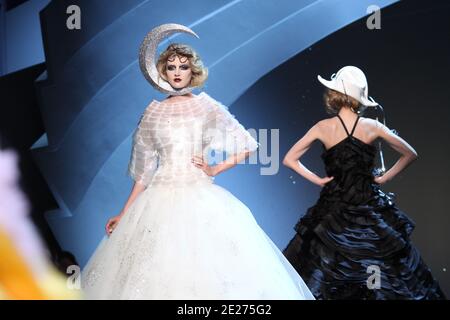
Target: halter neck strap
{"type": "Point", "coordinates": [354, 126]}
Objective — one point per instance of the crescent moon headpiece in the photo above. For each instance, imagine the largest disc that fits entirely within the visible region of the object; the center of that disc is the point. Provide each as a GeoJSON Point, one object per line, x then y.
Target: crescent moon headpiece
{"type": "Point", "coordinates": [147, 57]}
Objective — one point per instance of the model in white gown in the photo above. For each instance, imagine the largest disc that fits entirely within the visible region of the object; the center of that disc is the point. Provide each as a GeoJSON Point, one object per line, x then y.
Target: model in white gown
{"type": "Point", "coordinates": [185, 237]}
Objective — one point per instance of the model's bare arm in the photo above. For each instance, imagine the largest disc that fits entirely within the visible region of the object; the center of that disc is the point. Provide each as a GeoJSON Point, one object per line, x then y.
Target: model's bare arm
{"type": "Point", "coordinates": [135, 191]}
{"type": "Point", "coordinates": [407, 153]}
{"type": "Point", "coordinates": [228, 163]}
{"type": "Point", "coordinates": [292, 158]}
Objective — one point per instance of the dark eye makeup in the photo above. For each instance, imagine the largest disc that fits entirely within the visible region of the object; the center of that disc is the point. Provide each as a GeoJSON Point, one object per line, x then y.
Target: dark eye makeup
{"type": "Point", "coordinates": [172, 67]}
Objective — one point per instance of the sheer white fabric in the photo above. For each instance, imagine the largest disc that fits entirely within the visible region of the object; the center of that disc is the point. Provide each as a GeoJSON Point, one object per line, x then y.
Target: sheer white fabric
{"type": "Point", "coordinates": [144, 158]}
{"type": "Point", "coordinates": [185, 237]}
{"type": "Point", "coordinates": [223, 132]}
{"type": "Point", "coordinates": [169, 134]}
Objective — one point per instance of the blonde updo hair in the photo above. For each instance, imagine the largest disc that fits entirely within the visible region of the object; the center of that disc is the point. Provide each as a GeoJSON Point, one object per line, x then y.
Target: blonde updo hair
{"type": "Point", "coordinates": [199, 71]}
{"type": "Point", "coordinates": [335, 101]}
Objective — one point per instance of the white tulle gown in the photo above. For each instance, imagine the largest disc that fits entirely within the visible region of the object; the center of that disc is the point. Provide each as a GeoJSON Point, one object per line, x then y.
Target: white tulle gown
{"type": "Point", "coordinates": [185, 237]}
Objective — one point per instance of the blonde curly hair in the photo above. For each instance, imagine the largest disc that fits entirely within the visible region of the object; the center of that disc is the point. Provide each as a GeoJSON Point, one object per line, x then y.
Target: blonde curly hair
{"type": "Point", "coordinates": [199, 71]}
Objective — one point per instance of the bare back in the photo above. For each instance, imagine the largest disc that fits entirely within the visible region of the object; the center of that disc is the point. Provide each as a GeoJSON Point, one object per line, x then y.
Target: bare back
{"type": "Point", "coordinates": [334, 130]}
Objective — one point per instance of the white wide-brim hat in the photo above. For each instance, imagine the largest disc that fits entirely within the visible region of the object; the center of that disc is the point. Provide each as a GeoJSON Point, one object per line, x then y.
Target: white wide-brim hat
{"type": "Point", "coordinates": [350, 81]}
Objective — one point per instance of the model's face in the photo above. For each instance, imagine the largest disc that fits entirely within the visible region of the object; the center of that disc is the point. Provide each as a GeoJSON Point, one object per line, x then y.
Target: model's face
{"type": "Point", "coordinates": [178, 71]}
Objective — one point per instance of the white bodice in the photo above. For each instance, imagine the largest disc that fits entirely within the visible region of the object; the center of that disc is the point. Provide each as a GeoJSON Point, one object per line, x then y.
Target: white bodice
{"type": "Point", "coordinates": [169, 134]}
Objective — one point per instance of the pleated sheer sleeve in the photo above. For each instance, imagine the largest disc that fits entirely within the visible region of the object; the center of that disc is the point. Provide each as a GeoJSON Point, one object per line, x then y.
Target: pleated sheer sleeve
{"type": "Point", "coordinates": [224, 133]}
{"type": "Point", "coordinates": [144, 157]}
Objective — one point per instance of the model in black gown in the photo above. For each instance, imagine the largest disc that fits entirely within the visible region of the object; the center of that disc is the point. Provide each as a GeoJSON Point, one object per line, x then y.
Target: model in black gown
{"type": "Point", "coordinates": [353, 226]}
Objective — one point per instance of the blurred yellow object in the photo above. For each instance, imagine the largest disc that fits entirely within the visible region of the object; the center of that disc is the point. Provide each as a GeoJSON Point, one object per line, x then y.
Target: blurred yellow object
{"type": "Point", "coordinates": [17, 280]}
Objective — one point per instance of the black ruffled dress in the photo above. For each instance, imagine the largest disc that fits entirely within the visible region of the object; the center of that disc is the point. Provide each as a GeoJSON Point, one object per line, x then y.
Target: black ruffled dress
{"type": "Point", "coordinates": [355, 243]}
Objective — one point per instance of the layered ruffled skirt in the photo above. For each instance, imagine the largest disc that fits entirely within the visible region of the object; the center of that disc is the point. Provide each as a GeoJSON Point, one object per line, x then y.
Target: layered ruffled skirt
{"type": "Point", "coordinates": [346, 251]}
